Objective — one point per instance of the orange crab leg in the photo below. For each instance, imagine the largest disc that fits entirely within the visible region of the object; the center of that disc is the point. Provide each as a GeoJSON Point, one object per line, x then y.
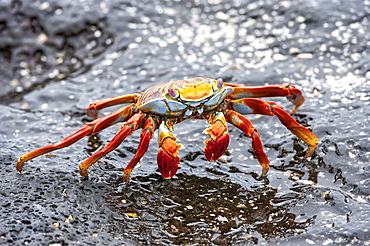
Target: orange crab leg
{"type": "Point", "coordinates": [293, 94]}
{"type": "Point", "coordinates": [256, 106]}
{"type": "Point", "coordinates": [93, 109]}
{"type": "Point", "coordinates": [246, 126]}
{"type": "Point", "coordinates": [127, 128]}
{"type": "Point", "coordinates": [216, 146]}
{"type": "Point", "coordinates": [146, 134]}
{"type": "Point", "coordinates": [167, 158]}
{"type": "Point", "coordinates": [87, 129]}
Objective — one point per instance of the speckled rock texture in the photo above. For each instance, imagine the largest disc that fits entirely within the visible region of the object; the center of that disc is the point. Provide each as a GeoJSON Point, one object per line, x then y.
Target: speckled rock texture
{"type": "Point", "coordinates": [58, 56]}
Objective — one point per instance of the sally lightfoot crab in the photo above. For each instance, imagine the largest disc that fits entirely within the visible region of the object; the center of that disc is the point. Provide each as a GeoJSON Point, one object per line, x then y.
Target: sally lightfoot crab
{"type": "Point", "coordinates": [162, 106]}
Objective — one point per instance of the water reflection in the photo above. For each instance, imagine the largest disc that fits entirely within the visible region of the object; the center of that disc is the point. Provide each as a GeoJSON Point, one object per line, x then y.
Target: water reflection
{"type": "Point", "coordinates": [192, 209]}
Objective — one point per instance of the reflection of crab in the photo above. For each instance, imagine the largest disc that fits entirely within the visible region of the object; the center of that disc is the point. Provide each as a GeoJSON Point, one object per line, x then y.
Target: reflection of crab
{"type": "Point", "coordinates": [162, 106]}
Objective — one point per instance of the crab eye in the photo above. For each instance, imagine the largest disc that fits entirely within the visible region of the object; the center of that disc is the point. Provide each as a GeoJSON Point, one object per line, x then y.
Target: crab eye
{"type": "Point", "coordinates": [173, 92]}
{"type": "Point", "coordinates": [220, 83]}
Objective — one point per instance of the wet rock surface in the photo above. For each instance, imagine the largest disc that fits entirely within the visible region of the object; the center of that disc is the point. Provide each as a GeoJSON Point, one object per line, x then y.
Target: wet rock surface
{"type": "Point", "coordinates": [57, 57]}
{"type": "Point", "coordinates": [46, 41]}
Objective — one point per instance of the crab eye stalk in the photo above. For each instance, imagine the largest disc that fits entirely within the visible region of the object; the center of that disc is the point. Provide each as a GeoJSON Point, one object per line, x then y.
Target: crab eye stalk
{"type": "Point", "coordinates": [220, 83]}
{"type": "Point", "coordinates": [173, 92]}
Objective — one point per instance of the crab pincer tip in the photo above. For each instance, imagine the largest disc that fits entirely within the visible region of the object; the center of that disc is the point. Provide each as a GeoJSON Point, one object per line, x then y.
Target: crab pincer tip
{"type": "Point", "coordinates": [215, 148]}
{"type": "Point", "coordinates": [167, 164]}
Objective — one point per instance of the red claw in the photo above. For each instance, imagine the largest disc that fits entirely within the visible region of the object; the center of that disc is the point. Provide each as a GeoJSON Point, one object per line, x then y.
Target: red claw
{"type": "Point", "coordinates": [219, 141]}
{"type": "Point", "coordinates": [167, 164]}
{"type": "Point", "coordinates": [215, 148]}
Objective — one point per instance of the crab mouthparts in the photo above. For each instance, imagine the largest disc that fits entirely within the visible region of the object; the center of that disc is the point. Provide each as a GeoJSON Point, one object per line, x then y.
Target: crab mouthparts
{"type": "Point", "coordinates": [193, 112]}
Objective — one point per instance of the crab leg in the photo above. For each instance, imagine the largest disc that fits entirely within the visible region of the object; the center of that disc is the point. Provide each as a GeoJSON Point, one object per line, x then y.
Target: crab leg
{"type": "Point", "coordinates": [127, 128]}
{"type": "Point", "coordinates": [146, 134]}
{"type": "Point", "coordinates": [256, 106]}
{"type": "Point", "coordinates": [93, 110]}
{"type": "Point", "coordinates": [167, 158]}
{"type": "Point", "coordinates": [87, 129]}
{"type": "Point", "coordinates": [293, 94]}
{"type": "Point", "coordinates": [246, 126]}
{"type": "Point", "coordinates": [216, 146]}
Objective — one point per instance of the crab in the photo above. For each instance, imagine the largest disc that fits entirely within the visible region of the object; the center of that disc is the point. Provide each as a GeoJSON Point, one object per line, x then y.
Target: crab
{"type": "Point", "coordinates": [162, 106]}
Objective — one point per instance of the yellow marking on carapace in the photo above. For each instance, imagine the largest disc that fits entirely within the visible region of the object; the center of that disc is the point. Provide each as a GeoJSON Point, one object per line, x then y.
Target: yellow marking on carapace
{"type": "Point", "coordinates": [195, 92]}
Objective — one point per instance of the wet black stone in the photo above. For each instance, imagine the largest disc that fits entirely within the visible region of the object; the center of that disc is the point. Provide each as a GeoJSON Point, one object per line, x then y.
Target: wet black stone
{"type": "Point", "coordinates": [58, 56]}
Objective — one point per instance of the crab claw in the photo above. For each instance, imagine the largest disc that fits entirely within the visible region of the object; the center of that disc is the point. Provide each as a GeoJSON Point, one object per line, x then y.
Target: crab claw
{"type": "Point", "coordinates": [167, 158]}
{"type": "Point", "coordinates": [167, 164]}
{"type": "Point", "coordinates": [216, 146]}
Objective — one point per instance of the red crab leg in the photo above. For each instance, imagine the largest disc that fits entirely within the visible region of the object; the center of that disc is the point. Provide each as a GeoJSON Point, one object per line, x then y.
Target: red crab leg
{"type": "Point", "coordinates": [216, 146]}
{"type": "Point", "coordinates": [127, 128]}
{"type": "Point", "coordinates": [256, 106]}
{"type": "Point", "coordinates": [167, 158]}
{"type": "Point", "coordinates": [246, 126]}
{"type": "Point", "coordinates": [146, 134]}
{"type": "Point", "coordinates": [94, 107]}
{"type": "Point", "coordinates": [87, 129]}
{"type": "Point", "coordinates": [293, 94]}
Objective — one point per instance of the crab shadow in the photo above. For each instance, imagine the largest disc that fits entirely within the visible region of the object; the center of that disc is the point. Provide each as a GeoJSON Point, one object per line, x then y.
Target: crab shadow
{"type": "Point", "coordinates": [191, 209]}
